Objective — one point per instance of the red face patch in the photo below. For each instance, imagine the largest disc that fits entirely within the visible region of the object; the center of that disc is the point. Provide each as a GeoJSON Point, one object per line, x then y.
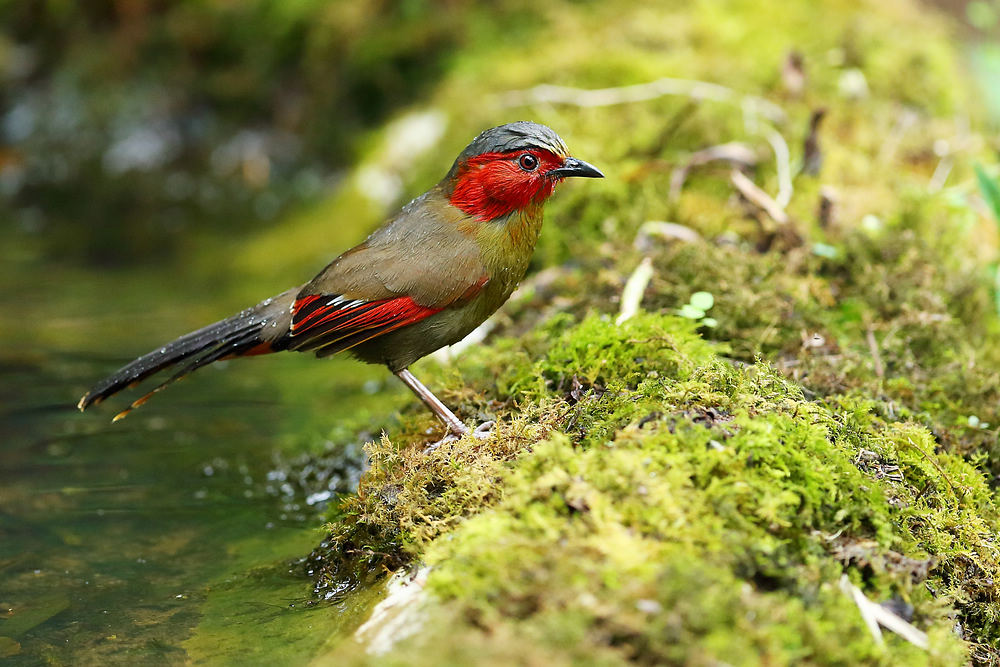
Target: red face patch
{"type": "Point", "coordinates": [493, 185]}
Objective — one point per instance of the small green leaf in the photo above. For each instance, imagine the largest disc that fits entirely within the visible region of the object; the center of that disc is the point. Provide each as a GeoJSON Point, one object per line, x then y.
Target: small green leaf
{"type": "Point", "coordinates": [690, 312]}
{"type": "Point", "coordinates": [709, 322]}
{"type": "Point", "coordinates": [990, 190]}
{"type": "Point", "coordinates": [702, 300]}
{"type": "Point", "coordinates": [824, 250]}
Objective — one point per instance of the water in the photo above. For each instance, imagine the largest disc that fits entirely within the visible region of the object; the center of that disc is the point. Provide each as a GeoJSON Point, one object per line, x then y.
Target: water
{"type": "Point", "coordinates": [173, 535]}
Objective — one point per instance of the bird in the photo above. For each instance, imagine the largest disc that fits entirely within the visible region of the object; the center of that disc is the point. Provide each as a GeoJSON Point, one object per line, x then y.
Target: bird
{"type": "Point", "coordinates": [424, 279]}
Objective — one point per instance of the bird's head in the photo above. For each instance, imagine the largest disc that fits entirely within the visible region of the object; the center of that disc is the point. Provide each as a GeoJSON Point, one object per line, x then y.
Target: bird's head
{"type": "Point", "coordinates": [509, 168]}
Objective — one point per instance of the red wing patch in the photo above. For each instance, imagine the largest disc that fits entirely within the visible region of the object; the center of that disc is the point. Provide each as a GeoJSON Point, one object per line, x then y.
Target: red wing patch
{"type": "Point", "coordinates": [321, 320]}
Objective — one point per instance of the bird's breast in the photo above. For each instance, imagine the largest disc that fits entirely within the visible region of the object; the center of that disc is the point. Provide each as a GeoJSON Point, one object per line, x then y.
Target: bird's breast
{"type": "Point", "coordinates": [507, 244]}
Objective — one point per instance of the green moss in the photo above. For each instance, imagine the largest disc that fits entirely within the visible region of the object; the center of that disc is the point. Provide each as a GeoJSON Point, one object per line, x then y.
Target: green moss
{"type": "Point", "coordinates": [704, 513]}
{"type": "Point", "coordinates": [661, 493]}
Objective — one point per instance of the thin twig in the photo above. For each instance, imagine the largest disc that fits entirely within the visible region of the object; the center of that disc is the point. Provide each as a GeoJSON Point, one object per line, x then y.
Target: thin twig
{"type": "Point", "coordinates": [736, 153]}
{"type": "Point", "coordinates": [781, 157]}
{"type": "Point", "coordinates": [812, 151]}
{"type": "Point", "coordinates": [635, 288]}
{"type": "Point", "coordinates": [876, 357]}
{"type": "Point", "coordinates": [758, 197]}
{"type": "Point", "coordinates": [875, 615]}
{"type": "Point", "coordinates": [941, 173]}
{"type": "Point", "coordinates": [669, 231]}
{"type": "Point", "coordinates": [935, 464]}
{"type": "Point", "coordinates": [864, 607]}
{"type": "Point", "coordinates": [697, 90]}
{"type": "Point", "coordinates": [602, 97]}
{"type": "Point", "coordinates": [947, 149]}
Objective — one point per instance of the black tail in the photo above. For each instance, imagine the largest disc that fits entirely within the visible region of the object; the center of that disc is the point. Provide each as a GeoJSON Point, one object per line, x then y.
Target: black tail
{"type": "Point", "coordinates": [250, 331]}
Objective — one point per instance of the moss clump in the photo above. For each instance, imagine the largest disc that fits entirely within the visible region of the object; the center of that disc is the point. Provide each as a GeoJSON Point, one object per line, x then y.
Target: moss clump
{"type": "Point", "coordinates": [703, 513]}
{"type": "Point", "coordinates": [658, 493]}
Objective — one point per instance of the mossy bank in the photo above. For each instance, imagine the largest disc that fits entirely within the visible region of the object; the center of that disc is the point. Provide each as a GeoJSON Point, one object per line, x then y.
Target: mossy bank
{"type": "Point", "coordinates": [667, 491]}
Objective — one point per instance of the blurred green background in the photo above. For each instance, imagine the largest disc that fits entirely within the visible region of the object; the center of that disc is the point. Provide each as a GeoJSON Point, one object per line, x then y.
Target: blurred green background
{"type": "Point", "coordinates": [163, 164]}
{"type": "Point", "coordinates": [128, 125]}
{"type": "Point", "coordinates": [134, 129]}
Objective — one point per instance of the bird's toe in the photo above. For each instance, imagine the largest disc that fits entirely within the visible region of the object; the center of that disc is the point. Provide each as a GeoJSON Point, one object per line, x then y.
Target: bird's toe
{"type": "Point", "coordinates": [484, 430]}
{"type": "Point", "coordinates": [448, 438]}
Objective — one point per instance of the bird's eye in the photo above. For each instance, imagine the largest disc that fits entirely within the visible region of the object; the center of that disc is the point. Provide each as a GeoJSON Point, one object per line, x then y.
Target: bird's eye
{"type": "Point", "coordinates": [528, 162]}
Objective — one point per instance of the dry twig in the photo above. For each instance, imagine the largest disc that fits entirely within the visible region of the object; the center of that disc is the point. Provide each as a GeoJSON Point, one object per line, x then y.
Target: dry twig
{"type": "Point", "coordinates": [602, 97]}
{"type": "Point", "coordinates": [876, 356]}
{"type": "Point", "coordinates": [635, 287]}
{"type": "Point", "coordinates": [758, 197]}
{"type": "Point", "coordinates": [754, 107]}
{"type": "Point", "coordinates": [936, 465]}
{"type": "Point", "coordinates": [735, 152]}
{"type": "Point", "coordinates": [876, 615]}
{"type": "Point", "coordinates": [784, 168]}
{"type": "Point", "coordinates": [669, 231]}
{"type": "Point", "coordinates": [812, 154]}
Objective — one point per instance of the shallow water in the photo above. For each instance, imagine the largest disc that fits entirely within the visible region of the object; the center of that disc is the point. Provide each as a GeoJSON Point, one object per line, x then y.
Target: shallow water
{"type": "Point", "coordinates": [173, 535]}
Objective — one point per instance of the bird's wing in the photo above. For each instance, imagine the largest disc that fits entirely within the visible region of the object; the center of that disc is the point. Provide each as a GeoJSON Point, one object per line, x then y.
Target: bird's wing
{"type": "Point", "coordinates": [428, 252]}
{"type": "Point", "coordinates": [323, 320]}
{"type": "Point", "coordinates": [417, 265]}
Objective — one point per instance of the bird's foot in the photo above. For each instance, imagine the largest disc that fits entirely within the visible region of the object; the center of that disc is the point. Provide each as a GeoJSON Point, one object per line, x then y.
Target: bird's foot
{"type": "Point", "coordinates": [448, 438]}
{"type": "Point", "coordinates": [484, 430]}
{"type": "Point", "coordinates": [481, 432]}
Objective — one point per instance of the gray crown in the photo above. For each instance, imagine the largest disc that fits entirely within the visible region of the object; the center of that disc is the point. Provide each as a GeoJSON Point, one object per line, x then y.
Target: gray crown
{"type": "Point", "coordinates": [517, 136]}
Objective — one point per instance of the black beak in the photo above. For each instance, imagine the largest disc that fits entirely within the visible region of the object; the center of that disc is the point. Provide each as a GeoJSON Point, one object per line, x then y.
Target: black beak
{"type": "Point", "coordinates": [573, 167]}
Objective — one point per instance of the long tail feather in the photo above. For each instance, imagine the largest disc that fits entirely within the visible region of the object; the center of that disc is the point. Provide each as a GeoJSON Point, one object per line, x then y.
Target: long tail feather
{"type": "Point", "coordinates": [234, 348]}
{"type": "Point", "coordinates": [246, 332]}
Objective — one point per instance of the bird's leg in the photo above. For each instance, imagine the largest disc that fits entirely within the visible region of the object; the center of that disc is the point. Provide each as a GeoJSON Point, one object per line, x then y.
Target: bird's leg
{"type": "Point", "coordinates": [454, 424]}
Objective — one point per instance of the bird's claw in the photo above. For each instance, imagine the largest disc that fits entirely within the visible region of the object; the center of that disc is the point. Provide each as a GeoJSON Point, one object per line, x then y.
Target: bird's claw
{"type": "Point", "coordinates": [448, 438]}
{"type": "Point", "coordinates": [484, 430]}
{"type": "Point", "coordinates": [481, 432]}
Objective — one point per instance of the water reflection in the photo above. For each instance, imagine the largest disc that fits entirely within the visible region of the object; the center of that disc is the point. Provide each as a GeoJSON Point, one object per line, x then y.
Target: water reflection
{"type": "Point", "coordinates": [175, 534]}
